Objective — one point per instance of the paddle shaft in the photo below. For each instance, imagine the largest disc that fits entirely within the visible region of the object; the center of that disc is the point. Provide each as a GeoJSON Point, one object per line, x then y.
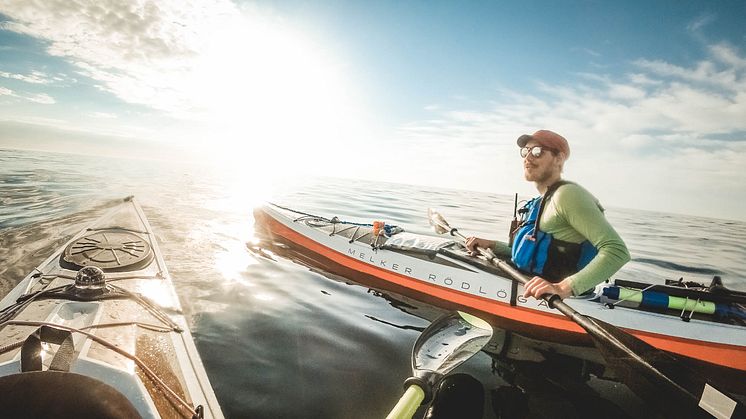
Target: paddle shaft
{"type": "Point", "coordinates": [408, 404]}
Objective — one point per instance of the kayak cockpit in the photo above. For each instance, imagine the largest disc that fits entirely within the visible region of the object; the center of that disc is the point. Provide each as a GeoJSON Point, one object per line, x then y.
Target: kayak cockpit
{"type": "Point", "coordinates": [57, 394]}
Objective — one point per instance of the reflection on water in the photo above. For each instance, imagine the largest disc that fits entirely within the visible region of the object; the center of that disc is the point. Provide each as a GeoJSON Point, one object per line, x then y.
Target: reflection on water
{"type": "Point", "coordinates": [282, 340]}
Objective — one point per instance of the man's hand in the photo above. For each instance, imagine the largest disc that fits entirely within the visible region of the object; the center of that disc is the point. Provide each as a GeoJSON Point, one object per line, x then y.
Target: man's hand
{"type": "Point", "coordinates": [473, 242]}
{"type": "Point", "coordinates": [539, 286]}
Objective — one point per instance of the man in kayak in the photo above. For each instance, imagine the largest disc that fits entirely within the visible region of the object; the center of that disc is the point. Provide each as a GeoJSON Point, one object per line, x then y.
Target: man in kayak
{"type": "Point", "coordinates": [563, 238]}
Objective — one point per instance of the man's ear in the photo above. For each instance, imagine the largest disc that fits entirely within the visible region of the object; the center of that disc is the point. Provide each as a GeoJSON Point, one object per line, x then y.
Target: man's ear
{"type": "Point", "coordinates": [562, 158]}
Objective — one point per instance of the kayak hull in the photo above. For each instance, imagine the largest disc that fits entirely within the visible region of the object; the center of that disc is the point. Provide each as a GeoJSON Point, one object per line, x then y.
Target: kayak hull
{"type": "Point", "coordinates": [127, 332]}
{"type": "Point", "coordinates": [446, 279]}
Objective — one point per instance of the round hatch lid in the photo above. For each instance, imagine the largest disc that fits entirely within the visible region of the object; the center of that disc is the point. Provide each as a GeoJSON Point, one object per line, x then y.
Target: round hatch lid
{"type": "Point", "coordinates": [110, 250]}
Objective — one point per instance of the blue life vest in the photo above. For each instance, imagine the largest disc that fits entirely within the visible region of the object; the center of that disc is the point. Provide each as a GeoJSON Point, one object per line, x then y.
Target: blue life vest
{"type": "Point", "coordinates": [538, 253]}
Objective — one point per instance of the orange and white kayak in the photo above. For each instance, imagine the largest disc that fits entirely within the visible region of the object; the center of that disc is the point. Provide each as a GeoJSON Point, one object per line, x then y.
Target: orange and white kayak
{"type": "Point", "coordinates": [705, 327]}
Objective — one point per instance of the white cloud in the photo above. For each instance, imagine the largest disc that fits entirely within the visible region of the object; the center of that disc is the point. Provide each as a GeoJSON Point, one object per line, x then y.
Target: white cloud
{"type": "Point", "coordinates": [103, 115]}
{"type": "Point", "coordinates": [36, 77]}
{"type": "Point", "coordinates": [663, 128]}
{"type": "Point", "coordinates": [591, 52]}
{"type": "Point", "coordinates": [724, 70]}
{"type": "Point", "coordinates": [665, 98]}
{"type": "Point", "coordinates": [625, 92]}
{"type": "Point", "coordinates": [729, 56]}
{"type": "Point", "coordinates": [240, 72]}
{"type": "Point", "coordinates": [701, 22]}
{"type": "Point", "coordinates": [135, 49]}
{"type": "Point", "coordinates": [42, 98]}
{"type": "Point", "coordinates": [642, 79]}
{"type": "Point", "coordinates": [156, 53]}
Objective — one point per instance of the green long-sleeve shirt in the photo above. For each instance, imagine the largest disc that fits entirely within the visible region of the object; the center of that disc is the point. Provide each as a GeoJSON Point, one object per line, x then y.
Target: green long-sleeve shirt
{"type": "Point", "coordinates": [574, 215]}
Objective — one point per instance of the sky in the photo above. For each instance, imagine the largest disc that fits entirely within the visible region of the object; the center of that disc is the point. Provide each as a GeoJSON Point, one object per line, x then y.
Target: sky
{"type": "Point", "coordinates": [651, 95]}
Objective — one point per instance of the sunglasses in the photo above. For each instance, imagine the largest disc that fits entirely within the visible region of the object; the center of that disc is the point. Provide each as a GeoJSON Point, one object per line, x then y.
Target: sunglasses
{"type": "Point", "coordinates": [536, 151]}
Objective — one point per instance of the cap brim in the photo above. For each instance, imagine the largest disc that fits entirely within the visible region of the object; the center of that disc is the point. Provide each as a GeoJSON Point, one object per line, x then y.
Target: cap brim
{"type": "Point", "coordinates": [524, 139]}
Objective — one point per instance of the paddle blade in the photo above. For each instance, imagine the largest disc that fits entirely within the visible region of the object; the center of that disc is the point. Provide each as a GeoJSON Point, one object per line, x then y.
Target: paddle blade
{"type": "Point", "coordinates": [659, 377]}
{"type": "Point", "coordinates": [448, 342]}
{"type": "Point", "coordinates": [437, 221]}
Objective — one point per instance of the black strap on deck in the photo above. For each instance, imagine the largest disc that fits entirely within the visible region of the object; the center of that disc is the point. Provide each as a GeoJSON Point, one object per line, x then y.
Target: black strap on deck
{"type": "Point", "coordinates": [31, 349]}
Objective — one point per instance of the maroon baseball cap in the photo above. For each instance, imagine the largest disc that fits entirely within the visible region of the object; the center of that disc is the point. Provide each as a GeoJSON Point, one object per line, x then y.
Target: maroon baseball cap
{"type": "Point", "coordinates": [548, 139]}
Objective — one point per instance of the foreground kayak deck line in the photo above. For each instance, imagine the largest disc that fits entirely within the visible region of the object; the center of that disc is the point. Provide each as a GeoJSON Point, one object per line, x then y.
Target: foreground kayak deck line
{"type": "Point", "coordinates": [107, 299]}
{"type": "Point", "coordinates": [438, 270]}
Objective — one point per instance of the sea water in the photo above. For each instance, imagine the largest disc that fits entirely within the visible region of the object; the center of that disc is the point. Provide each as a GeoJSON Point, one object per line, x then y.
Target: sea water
{"type": "Point", "coordinates": [280, 340]}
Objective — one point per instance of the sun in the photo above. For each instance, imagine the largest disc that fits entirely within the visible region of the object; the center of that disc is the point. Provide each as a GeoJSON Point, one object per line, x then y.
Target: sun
{"type": "Point", "coordinates": [264, 88]}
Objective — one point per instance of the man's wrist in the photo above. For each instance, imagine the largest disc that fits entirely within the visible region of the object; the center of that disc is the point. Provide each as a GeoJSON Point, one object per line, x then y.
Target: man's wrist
{"type": "Point", "coordinates": [566, 287]}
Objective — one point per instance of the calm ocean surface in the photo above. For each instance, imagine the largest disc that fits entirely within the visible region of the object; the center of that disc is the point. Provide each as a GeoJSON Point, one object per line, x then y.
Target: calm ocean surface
{"type": "Point", "coordinates": [281, 341]}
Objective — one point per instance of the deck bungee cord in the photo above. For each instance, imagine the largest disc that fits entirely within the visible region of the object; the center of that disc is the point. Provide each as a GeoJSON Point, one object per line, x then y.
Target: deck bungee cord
{"type": "Point", "coordinates": [378, 228]}
{"type": "Point", "coordinates": [67, 292]}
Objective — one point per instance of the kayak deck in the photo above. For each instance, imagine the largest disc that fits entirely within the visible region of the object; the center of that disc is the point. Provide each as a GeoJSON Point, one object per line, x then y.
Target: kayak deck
{"type": "Point", "coordinates": [104, 307]}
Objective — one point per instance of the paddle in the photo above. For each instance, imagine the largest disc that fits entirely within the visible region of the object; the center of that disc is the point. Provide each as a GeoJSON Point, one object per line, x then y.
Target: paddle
{"type": "Point", "coordinates": [653, 374]}
{"type": "Point", "coordinates": [449, 341]}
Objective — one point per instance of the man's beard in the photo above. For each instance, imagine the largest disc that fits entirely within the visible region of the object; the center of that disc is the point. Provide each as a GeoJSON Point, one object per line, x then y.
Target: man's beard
{"type": "Point", "coordinates": [538, 175]}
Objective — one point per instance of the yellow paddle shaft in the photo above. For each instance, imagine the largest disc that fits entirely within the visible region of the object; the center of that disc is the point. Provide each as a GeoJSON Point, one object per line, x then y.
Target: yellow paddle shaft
{"type": "Point", "coordinates": [408, 403]}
